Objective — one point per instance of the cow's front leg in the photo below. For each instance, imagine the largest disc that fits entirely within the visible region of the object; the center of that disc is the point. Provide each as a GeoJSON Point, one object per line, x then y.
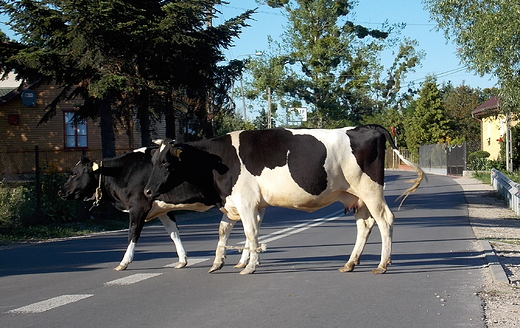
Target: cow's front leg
{"type": "Point", "coordinates": [127, 258]}
{"type": "Point", "coordinates": [226, 225]}
{"type": "Point", "coordinates": [364, 225]}
{"type": "Point", "coordinates": [137, 218]}
{"type": "Point", "coordinates": [173, 232]}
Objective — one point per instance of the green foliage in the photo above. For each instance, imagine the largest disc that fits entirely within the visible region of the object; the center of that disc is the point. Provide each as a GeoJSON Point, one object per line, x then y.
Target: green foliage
{"type": "Point", "coordinates": [515, 156]}
{"type": "Point", "coordinates": [331, 65]}
{"type": "Point", "coordinates": [428, 123]}
{"type": "Point", "coordinates": [12, 201]}
{"type": "Point", "coordinates": [129, 56]}
{"type": "Point", "coordinates": [458, 102]}
{"type": "Point", "coordinates": [18, 203]}
{"type": "Point", "coordinates": [486, 34]}
{"type": "Point", "coordinates": [478, 161]}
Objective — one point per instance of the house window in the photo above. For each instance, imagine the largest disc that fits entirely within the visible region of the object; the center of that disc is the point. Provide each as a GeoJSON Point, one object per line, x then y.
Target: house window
{"type": "Point", "coordinates": [75, 134]}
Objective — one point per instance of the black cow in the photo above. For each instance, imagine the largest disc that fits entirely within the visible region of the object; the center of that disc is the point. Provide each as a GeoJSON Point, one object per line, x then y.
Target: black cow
{"type": "Point", "coordinates": [121, 182]}
{"type": "Point", "coordinates": [300, 169]}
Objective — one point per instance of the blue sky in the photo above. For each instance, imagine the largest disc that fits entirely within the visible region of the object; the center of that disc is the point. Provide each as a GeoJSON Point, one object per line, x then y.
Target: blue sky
{"type": "Point", "coordinates": [440, 58]}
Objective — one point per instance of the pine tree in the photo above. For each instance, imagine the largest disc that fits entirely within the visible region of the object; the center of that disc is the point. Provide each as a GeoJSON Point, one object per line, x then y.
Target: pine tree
{"type": "Point", "coordinates": [428, 123]}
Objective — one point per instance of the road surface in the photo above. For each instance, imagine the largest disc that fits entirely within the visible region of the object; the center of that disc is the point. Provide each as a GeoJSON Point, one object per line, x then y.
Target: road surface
{"type": "Point", "coordinates": [436, 272]}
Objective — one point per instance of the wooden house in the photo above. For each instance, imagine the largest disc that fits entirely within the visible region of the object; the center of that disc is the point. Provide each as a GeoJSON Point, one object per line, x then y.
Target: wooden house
{"type": "Point", "coordinates": [60, 143]}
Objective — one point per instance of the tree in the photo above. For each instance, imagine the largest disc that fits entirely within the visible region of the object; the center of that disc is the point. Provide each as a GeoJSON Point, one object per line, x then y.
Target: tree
{"type": "Point", "coordinates": [123, 57]}
{"type": "Point", "coordinates": [329, 64]}
{"type": "Point", "coordinates": [458, 102]}
{"type": "Point", "coordinates": [486, 33]}
{"type": "Point", "coordinates": [427, 124]}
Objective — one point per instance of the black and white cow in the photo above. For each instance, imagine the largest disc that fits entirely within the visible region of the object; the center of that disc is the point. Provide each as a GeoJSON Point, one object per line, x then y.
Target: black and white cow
{"type": "Point", "coordinates": [299, 169]}
{"type": "Point", "coordinates": [121, 181]}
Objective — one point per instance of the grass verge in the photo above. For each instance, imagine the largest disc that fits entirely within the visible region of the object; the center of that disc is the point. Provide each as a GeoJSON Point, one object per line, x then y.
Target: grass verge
{"type": "Point", "coordinates": [62, 230]}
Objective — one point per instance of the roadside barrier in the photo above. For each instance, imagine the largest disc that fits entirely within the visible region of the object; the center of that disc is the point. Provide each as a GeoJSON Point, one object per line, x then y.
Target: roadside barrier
{"type": "Point", "coordinates": [508, 189]}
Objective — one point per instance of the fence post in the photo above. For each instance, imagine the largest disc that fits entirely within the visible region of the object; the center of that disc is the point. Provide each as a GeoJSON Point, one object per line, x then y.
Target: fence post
{"type": "Point", "coordinates": [37, 183]}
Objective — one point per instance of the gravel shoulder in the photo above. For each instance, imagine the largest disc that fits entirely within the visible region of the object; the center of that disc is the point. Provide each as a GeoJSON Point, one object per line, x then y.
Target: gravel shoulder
{"type": "Point", "coordinates": [492, 221]}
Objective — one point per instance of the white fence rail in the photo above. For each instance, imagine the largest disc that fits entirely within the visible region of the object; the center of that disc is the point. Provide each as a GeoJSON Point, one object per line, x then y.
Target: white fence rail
{"type": "Point", "coordinates": [508, 189]}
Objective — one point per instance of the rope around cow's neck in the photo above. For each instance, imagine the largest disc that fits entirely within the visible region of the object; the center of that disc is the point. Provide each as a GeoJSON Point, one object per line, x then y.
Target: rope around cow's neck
{"type": "Point", "coordinates": [98, 194]}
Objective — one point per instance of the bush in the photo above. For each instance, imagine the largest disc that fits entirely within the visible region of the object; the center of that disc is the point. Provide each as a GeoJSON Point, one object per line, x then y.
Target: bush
{"type": "Point", "coordinates": [18, 203]}
{"type": "Point", "coordinates": [478, 161]}
{"type": "Point", "coordinates": [12, 203]}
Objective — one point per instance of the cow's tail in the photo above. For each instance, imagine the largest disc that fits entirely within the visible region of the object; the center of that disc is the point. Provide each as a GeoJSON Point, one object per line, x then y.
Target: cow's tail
{"type": "Point", "coordinates": [415, 167]}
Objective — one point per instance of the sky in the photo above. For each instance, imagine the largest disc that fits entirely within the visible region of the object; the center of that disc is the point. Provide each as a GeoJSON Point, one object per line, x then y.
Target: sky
{"type": "Point", "coordinates": [440, 57]}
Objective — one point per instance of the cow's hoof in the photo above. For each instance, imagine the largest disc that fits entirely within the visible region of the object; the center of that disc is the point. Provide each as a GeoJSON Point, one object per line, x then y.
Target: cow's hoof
{"type": "Point", "coordinates": [349, 267]}
{"type": "Point", "coordinates": [248, 271]}
{"type": "Point", "coordinates": [379, 270]}
{"type": "Point", "coordinates": [181, 265]}
{"type": "Point", "coordinates": [216, 267]}
{"type": "Point", "coordinates": [240, 265]}
{"type": "Point", "coordinates": [120, 267]}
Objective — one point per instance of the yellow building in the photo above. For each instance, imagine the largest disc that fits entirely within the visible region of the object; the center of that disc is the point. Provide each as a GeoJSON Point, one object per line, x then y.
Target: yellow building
{"type": "Point", "coordinates": [493, 126]}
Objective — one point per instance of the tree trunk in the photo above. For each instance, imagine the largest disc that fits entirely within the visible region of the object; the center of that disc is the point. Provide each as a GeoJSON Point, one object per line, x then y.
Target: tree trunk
{"type": "Point", "coordinates": [108, 138]}
{"type": "Point", "coordinates": [144, 120]}
{"type": "Point", "coordinates": [171, 131]}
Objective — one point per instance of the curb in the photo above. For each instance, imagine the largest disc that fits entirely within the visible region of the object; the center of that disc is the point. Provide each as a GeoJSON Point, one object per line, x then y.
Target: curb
{"type": "Point", "coordinates": [497, 271]}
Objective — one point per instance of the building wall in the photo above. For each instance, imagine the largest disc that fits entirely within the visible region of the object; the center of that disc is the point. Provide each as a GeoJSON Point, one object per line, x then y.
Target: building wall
{"type": "Point", "coordinates": [17, 142]}
{"type": "Point", "coordinates": [493, 130]}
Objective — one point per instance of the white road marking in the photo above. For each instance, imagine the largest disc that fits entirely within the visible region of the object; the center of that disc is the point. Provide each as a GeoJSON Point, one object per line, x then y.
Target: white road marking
{"type": "Point", "coordinates": [191, 261]}
{"type": "Point", "coordinates": [131, 279]}
{"type": "Point", "coordinates": [50, 303]}
{"type": "Point", "coordinates": [298, 228]}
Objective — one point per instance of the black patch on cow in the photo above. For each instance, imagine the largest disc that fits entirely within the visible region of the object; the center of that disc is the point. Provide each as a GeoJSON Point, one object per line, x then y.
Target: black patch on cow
{"type": "Point", "coordinates": [304, 154]}
{"type": "Point", "coordinates": [368, 144]}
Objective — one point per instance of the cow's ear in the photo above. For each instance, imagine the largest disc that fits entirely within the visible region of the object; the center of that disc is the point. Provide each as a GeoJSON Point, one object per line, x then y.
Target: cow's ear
{"type": "Point", "coordinates": [95, 166]}
{"type": "Point", "coordinates": [177, 151]}
{"type": "Point", "coordinates": [84, 160]}
{"type": "Point", "coordinates": [158, 142]}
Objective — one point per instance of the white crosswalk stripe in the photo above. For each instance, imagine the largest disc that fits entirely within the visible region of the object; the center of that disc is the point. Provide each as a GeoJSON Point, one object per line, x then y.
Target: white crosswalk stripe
{"type": "Point", "coordinates": [50, 303]}
{"type": "Point", "coordinates": [131, 279]}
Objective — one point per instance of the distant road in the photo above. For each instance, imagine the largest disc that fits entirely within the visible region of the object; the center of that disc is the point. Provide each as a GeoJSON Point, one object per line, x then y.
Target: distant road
{"type": "Point", "coordinates": [436, 272]}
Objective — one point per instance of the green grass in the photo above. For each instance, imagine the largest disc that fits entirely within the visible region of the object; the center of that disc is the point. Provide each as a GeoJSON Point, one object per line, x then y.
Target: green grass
{"type": "Point", "coordinates": [483, 176]}
{"type": "Point", "coordinates": [506, 241]}
{"type": "Point", "coordinates": [62, 230]}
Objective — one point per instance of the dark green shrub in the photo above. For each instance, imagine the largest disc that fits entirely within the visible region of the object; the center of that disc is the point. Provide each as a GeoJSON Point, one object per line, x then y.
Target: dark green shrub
{"type": "Point", "coordinates": [478, 160]}
{"type": "Point", "coordinates": [12, 201]}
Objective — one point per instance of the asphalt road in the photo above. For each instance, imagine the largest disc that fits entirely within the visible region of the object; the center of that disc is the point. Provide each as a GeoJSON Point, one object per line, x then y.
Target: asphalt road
{"type": "Point", "coordinates": [436, 272]}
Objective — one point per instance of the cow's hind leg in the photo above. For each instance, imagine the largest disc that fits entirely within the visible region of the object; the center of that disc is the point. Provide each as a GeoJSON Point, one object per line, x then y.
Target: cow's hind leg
{"type": "Point", "coordinates": [226, 225]}
{"type": "Point", "coordinates": [245, 253]}
{"type": "Point", "coordinates": [171, 227]}
{"type": "Point", "coordinates": [364, 223]}
{"type": "Point", "coordinates": [385, 221]}
{"type": "Point", "coordinates": [134, 232]}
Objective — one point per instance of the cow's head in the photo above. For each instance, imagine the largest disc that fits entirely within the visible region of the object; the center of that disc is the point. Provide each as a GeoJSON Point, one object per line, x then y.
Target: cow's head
{"type": "Point", "coordinates": [174, 164]}
{"type": "Point", "coordinates": [82, 183]}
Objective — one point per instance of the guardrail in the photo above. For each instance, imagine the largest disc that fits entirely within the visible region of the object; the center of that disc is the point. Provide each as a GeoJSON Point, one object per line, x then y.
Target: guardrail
{"type": "Point", "coordinates": [508, 189]}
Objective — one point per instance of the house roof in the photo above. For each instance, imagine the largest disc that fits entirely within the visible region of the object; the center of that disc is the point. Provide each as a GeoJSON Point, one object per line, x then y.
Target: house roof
{"type": "Point", "coordinates": [5, 90]}
{"type": "Point", "coordinates": [490, 105]}
{"type": "Point", "coordinates": [8, 93]}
